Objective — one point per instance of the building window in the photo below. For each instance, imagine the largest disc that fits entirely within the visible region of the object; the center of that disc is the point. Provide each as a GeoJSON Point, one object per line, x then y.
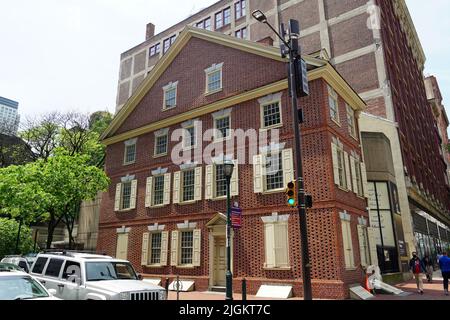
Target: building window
{"type": "Point", "coordinates": [189, 137]}
{"type": "Point", "coordinates": [205, 24]}
{"type": "Point", "coordinates": [239, 8]}
{"type": "Point", "coordinates": [363, 238]}
{"type": "Point", "coordinates": [242, 33]}
{"type": "Point", "coordinates": [358, 177]}
{"type": "Point", "coordinates": [222, 127]}
{"type": "Point", "coordinates": [170, 96]}
{"type": "Point", "coordinates": [188, 185]}
{"type": "Point", "coordinates": [187, 247]}
{"type": "Point", "coordinates": [274, 172]}
{"type": "Point", "coordinates": [154, 50]}
{"type": "Point", "coordinates": [276, 243]}
{"type": "Point", "coordinates": [333, 104]}
{"type": "Point", "coordinates": [214, 81]}
{"type": "Point", "coordinates": [351, 120]}
{"type": "Point", "coordinates": [155, 248]}
{"type": "Point", "coordinates": [158, 190]}
{"type": "Point", "coordinates": [161, 145]}
{"type": "Point", "coordinates": [168, 43]}
{"type": "Point", "coordinates": [341, 166]}
{"type": "Point", "coordinates": [126, 196]}
{"type": "Point", "coordinates": [271, 114]}
{"type": "Point", "coordinates": [223, 18]}
{"type": "Point", "coordinates": [130, 152]}
{"type": "Point", "coordinates": [221, 182]}
{"type": "Point", "coordinates": [347, 244]}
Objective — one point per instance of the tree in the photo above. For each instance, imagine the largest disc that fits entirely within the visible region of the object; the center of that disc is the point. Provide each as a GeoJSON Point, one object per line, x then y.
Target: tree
{"type": "Point", "coordinates": [14, 151]}
{"type": "Point", "coordinates": [8, 234]}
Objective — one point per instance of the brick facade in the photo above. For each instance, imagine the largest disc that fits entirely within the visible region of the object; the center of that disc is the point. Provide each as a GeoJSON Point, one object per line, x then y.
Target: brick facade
{"type": "Point", "coordinates": [242, 71]}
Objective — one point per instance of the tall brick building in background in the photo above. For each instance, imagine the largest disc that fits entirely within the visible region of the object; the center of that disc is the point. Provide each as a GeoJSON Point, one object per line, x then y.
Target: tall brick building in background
{"type": "Point", "coordinates": [374, 46]}
{"type": "Point", "coordinates": [169, 220]}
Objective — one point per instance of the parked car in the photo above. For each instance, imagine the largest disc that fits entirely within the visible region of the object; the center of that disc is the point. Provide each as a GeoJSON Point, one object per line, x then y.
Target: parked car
{"type": "Point", "coordinates": [9, 267]}
{"type": "Point", "coordinates": [18, 285]}
{"type": "Point", "coordinates": [31, 258]}
{"type": "Point", "coordinates": [18, 261]}
{"type": "Point", "coordinates": [80, 276]}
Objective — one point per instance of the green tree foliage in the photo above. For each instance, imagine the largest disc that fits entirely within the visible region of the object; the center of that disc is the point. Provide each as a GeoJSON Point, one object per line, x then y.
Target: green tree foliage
{"type": "Point", "coordinates": [8, 236]}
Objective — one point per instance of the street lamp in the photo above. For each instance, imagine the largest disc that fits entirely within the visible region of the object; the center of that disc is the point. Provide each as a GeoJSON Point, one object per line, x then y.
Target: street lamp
{"type": "Point", "coordinates": [298, 86]}
{"type": "Point", "coordinates": [228, 171]}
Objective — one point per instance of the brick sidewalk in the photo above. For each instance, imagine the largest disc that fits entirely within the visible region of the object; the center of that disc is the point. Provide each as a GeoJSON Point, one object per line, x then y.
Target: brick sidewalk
{"type": "Point", "coordinates": [205, 296]}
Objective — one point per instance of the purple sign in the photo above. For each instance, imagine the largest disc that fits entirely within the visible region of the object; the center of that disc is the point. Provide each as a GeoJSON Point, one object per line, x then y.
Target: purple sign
{"type": "Point", "coordinates": [236, 217]}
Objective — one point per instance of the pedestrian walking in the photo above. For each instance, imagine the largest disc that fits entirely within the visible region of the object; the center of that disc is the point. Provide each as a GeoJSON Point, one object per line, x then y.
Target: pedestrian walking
{"type": "Point", "coordinates": [418, 269]}
{"type": "Point", "coordinates": [429, 268]}
{"type": "Point", "coordinates": [444, 263]}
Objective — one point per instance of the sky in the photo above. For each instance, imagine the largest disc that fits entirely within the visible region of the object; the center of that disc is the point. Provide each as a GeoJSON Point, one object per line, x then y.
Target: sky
{"type": "Point", "coordinates": [64, 54]}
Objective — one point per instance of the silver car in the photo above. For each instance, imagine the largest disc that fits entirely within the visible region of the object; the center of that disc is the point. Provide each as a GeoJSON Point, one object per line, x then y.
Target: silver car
{"type": "Point", "coordinates": [79, 276]}
{"type": "Point", "coordinates": [18, 285]}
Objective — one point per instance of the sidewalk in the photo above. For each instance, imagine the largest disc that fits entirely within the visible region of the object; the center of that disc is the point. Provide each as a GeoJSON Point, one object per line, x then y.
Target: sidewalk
{"type": "Point", "coordinates": [208, 296]}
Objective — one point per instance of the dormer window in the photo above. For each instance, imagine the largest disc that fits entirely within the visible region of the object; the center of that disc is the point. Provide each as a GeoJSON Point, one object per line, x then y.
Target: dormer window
{"type": "Point", "coordinates": [130, 152]}
{"type": "Point", "coordinates": [170, 95]}
{"type": "Point", "coordinates": [214, 78]}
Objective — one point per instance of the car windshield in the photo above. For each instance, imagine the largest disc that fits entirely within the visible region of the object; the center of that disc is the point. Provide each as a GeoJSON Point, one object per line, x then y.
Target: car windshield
{"type": "Point", "coordinates": [20, 288]}
{"type": "Point", "coordinates": [9, 266]}
{"type": "Point", "coordinates": [99, 271]}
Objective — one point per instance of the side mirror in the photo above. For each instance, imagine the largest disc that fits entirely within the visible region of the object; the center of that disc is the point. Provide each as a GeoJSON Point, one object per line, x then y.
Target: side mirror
{"type": "Point", "coordinates": [140, 277]}
{"type": "Point", "coordinates": [52, 291]}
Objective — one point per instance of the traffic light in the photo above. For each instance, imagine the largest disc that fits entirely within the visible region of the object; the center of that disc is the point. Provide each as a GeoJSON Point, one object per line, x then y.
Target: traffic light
{"type": "Point", "coordinates": [291, 194]}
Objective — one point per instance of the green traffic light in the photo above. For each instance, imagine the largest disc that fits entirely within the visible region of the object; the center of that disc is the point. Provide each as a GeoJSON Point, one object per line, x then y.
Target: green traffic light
{"type": "Point", "coordinates": [291, 202]}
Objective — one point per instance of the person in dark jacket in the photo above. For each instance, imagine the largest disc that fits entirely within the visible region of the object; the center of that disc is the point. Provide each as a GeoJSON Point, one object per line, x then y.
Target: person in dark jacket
{"type": "Point", "coordinates": [429, 268]}
{"type": "Point", "coordinates": [418, 269]}
{"type": "Point", "coordinates": [444, 263]}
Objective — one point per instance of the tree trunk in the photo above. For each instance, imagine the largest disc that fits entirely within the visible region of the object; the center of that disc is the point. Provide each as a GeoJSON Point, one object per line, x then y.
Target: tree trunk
{"type": "Point", "coordinates": [50, 231]}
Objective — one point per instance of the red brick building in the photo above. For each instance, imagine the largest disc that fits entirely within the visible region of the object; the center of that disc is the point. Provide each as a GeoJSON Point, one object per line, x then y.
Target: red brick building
{"type": "Point", "coordinates": [168, 219]}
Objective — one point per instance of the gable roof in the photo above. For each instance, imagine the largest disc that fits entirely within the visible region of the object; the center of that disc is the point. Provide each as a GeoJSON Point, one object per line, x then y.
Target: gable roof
{"type": "Point", "coordinates": [225, 40]}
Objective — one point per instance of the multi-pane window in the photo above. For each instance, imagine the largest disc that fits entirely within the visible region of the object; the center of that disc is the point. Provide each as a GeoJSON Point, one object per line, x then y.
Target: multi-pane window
{"type": "Point", "coordinates": [223, 18]}
{"type": "Point", "coordinates": [274, 171]}
{"type": "Point", "coordinates": [130, 153]}
{"type": "Point", "coordinates": [170, 98]}
{"type": "Point", "coordinates": [188, 185]}
{"type": "Point", "coordinates": [161, 145]}
{"type": "Point", "coordinates": [222, 125]}
{"type": "Point", "coordinates": [189, 138]}
{"type": "Point", "coordinates": [341, 168]}
{"type": "Point", "coordinates": [351, 121]}
{"type": "Point", "coordinates": [168, 42]}
{"type": "Point", "coordinates": [155, 248]}
{"type": "Point", "coordinates": [205, 24]}
{"type": "Point", "coordinates": [239, 8]}
{"type": "Point", "coordinates": [214, 80]}
{"type": "Point", "coordinates": [158, 191]}
{"type": "Point", "coordinates": [271, 115]}
{"type": "Point", "coordinates": [187, 247]}
{"type": "Point", "coordinates": [359, 181]}
{"type": "Point", "coordinates": [126, 196]}
{"type": "Point", "coordinates": [221, 182]}
{"type": "Point", "coordinates": [219, 20]}
{"type": "Point", "coordinates": [242, 33]}
{"type": "Point", "coordinates": [154, 50]}
{"type": "Point", "coordinates": [333, 103]}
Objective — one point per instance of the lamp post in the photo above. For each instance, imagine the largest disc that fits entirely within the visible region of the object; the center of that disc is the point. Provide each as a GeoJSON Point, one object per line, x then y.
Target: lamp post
{"type": "Point", "coordinates": [296, 74]}
{"type": "Point", "coordinates": [228, 171]}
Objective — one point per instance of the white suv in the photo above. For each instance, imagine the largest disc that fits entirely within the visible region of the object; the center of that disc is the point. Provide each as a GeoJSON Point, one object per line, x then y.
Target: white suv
{"type": "Point", "coordinates": [79, 276]}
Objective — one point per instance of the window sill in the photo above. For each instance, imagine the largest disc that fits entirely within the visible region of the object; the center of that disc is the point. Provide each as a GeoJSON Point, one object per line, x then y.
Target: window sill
{"type": "Point", "coordinates": [356, 139]}
{"type": "Point", "coordinates": [168, 109]}
{"type": "Point", "coordinates": [273, 191]}
{"type": "Point", "coordinates": [186, 203]}
{"type": "Point", "coordinates": [213, 92]}
{"type": "Point", "coordinates": [159, 206]}
{"type": "Point", "coordinates": [278, 269]}
{"type": "Point", "coordinates": [124, 210]}
{"type": "Point", "coordinates": [280, 125]}
{"type": "Point", "coordinates": [217, 140]}
{"type": "Point", "coordinates": [129, 163]}
{"type": "Point", "coordinates": [336, 122]}
{"type": "Point", "coordinates": [154, 266]}
{"type": "Point", "coordinates": [351, 269]}
{"type": "Point", "coordinates": [343, 189]}
{"type": "Point", "coordinates": [219, 198]}
{"type": "Point", "coordinates": [186, 267]}
{"type": "Point", "coordinates": [156, 156]}
{"type": "Point", "coordinates": [189, 148]}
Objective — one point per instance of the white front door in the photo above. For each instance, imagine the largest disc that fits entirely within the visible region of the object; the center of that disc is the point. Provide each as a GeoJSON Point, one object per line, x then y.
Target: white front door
{"type": "Point", "coordinates": [122, 246]}
{"type": "Point", "coordinates": [220, 259]}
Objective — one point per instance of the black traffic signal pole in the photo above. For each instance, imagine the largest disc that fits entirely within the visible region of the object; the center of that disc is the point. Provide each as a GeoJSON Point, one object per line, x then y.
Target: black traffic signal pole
{"type": "Point", "coordinates": [294, 61]}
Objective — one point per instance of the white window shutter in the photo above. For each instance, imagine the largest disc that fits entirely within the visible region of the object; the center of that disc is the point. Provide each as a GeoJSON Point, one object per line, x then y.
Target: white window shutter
{"type": "Point", "coordinates": [371, 232]}
{"type": "Point", "coordinates": [288, 166]}
{"type": "Point", "coordinates": [234, 183]}
{"type": "Point", "coordinates": [164, 247]}
{"type": "Point", "coordinates": [176, 187]}
{"type": "Point", "coordinates": [149, 192]}
{"type": "Point", "coordinates": [174, 248]}
{"type": "Point", "coordinates": [364, 179]}
{"type": "Point", "coordinates": [347, 172]}
{"type": "Point", "coordinates": [362, 245]}
{"type": "Point", "coordinates": [347, 244]}
{"type": "Point", "coordinates": [281, 245]}
{"type": "Point", "coordinates": [335, 164]}
{"type": "Point", "coordinates": [196, 257]}
{"type": "Point", "coordinates": [118, 197]}
{"type": "Point", "coordinates": [133, 194]}
{"type": "Point", "coordinates": [269, 242]}
{"type": "Point", "coordinates": [144, 255]}
{"type": "Point", "coordinates": [354, 178]}
{"type": "Point", "coordinates": [209, 182]}
{"type": "Point", "coordinates": [258, 173]}
{"type": "Point", "coordinates": [167, 178]}
{"type": "Point", "coordinates": [122, 246]}
{"type": "Point", "coordinates": [198, 184]}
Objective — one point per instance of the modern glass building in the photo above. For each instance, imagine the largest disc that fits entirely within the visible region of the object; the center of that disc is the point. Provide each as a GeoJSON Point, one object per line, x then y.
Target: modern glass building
{"type": "Point", "coordinates": [9, 117]}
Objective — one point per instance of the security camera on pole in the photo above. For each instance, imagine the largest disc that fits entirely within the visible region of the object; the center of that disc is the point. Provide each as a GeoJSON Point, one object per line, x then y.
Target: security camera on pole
{"type": "Point", "coordinates": [298, 87]}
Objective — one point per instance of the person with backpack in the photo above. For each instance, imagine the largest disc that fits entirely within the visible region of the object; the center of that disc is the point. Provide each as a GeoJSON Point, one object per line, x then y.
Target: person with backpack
{"type": "Point", "coordinates": [418, 269]}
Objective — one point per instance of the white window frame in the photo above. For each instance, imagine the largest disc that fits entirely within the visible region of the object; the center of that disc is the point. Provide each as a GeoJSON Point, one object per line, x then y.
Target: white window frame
{"type": "Point", "coordinates": [168, 88]}
{"type": "Point", "coordinates": [150, 249]}
{"type": "Point", "coordinates": [269, 100]}
{"type": "Point", "coordinates": [180, 240]}
{"type": "Point", "coordinates": [182, 200]}
{"type": "Point", "coordinates": [160, 134]}
{"type": "Point", "coordinates": [351, 120]}
{"type": "Point", "coordinates": [219, 116]}
{"type": "Point", "coordinates": [129, 144]}
{"type": "Point", "coordinates": [185, 137]}
{"type": "Point", "coordinates": [280, 154]}
{"type": "Point", "coordinates": [270, 262]}
{"type": "Point", "coordinates": [209, 71]}
{"type": "Point", "coordinates": [122, 207]}
{"type": "Point", "coordinates": [333, 96]}
{"type": "Point", "coordinates": [347, 241]}
{"type": "Point", "coordinates": [153, 204]}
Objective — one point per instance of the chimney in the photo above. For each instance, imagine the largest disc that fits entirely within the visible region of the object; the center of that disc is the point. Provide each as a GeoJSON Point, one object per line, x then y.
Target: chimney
{"type": "Point", "coordinates": [268, 41]}
{"type": "Point", "coordinates": [150, 31]}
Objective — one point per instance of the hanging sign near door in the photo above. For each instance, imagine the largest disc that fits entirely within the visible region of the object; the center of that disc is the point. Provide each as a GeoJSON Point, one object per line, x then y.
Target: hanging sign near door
{"type": "Point", "coordinates": [236, 217]}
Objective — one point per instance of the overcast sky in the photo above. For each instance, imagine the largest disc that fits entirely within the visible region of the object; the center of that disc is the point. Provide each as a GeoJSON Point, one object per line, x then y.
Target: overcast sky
{"type": "Point", "coordinates": [64, 54]}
